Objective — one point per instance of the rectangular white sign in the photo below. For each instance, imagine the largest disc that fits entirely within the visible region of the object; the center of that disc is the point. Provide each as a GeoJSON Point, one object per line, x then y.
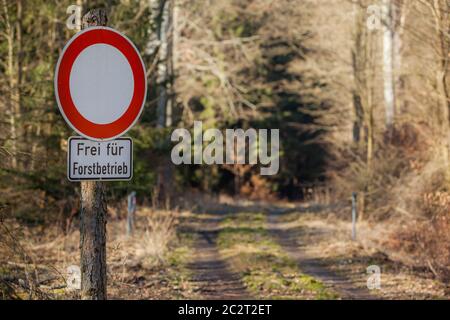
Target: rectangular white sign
{"type": "Point", "coordinates": [100, 160]}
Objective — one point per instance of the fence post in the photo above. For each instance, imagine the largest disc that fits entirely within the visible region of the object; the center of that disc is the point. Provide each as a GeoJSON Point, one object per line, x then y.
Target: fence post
{"type": "Point", "coordinates": [131, 212]}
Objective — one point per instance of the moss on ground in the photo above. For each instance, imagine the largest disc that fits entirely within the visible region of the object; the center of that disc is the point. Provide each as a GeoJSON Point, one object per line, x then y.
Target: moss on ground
{"type": "Point", "coordinates": [179, 275]}
{"type": "Point", "coordinates": [267, 271]}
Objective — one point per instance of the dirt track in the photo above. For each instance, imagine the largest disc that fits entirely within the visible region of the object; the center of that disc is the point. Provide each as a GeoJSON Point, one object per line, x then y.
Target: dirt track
{"type": "Point", "coordinates": [313, 266]}
{"type": "Point", "coordinates": [212, 277]}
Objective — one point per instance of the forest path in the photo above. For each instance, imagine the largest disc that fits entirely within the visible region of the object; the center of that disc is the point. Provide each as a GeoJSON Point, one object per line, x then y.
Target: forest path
{"type": "Point", "coordinates": [290, 240]}
{"type": "Point", "coordinates": [211, 275]}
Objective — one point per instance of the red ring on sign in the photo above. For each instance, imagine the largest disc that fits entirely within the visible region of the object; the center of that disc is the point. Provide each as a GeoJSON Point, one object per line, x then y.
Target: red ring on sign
{"type": "Point", "coordinates": [74, 117]}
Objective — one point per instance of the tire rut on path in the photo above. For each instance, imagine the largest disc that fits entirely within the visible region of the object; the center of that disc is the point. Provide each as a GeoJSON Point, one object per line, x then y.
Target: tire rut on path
{"type": "Point", "coordinates": [211, 274]}
{"type": "Point", "coordinates": [313, 266]}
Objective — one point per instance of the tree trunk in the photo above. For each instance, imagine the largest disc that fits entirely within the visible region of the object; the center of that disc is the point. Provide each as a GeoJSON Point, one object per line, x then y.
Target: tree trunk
{"type": "Point", "coordinates": [388, 63]}
{"type": "Point", "coordinates": [13, 74]}
{"type": "Point", "coordinates": [162, 79]}
{"type": "Point", "coordinates": [93, 215]}
{"type": "Point", "coordinates": [161, 42]}
{"type": "Point", "coordinates": [363, 60]}
{"type": "Point", "coordinates": [401, 11]}
{"type": "Point", "coordinates": [445, 127]}
{"type": "Point", "coordinates": [93, 241]}
{"type": "Point", "coordinates": [440, 11]}
{"type": "Point", "coordinates": [359, 116]}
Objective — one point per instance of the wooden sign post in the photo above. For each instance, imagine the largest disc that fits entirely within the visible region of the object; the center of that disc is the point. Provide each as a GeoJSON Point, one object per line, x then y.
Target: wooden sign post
{"type": "Point", "coordinates": [93, 214]}
{"type": "Point", "coordinates": [100, 89]}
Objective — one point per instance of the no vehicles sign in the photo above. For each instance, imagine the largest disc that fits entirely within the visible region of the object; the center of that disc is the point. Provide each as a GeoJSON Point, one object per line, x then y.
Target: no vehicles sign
{"type": "Point", "coordinates": [100, 83]}
{"type": "Point", "coordinates": [100, 160]}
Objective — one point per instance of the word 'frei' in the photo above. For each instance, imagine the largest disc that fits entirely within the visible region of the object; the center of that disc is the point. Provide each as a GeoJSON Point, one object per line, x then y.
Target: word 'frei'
{"type": "Point", "coordinates": [236, 143]}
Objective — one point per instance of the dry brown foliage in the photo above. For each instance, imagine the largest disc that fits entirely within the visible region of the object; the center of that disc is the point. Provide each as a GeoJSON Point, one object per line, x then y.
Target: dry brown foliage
{"type": "Point", "coordinates": [151, 244]}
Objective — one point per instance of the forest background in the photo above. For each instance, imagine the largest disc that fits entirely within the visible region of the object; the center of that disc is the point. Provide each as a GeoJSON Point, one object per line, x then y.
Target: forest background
{"type": "Point", "coordinates": [358, 89]}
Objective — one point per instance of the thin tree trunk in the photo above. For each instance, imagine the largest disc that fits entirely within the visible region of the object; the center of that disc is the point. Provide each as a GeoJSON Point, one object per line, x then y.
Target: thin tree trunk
{"type": "Point", "coordinates": [440, 11]}
{"type": "Point", "coordinates": [363, 59]}
{"type": "Point", "coordinates": [388, 63]}
{"type": "Point", "coordinates": [174, 57]}
{"type": "Point", "coordinates": [370, 84]}
{"type": "Point", "coordinates": [161, 42]}
{"type": "Point", "coordinates": [163, 76]}
{"type": "Point", "coordinates": [93, 215]}
{"type": "Point", "coordinates": [14, 94]}
{"type": "Point", "coordinates": [93, 241]}
{"type": "Point", "coordinates": [401, 11]}
{"type": "Point", "coordinates": [444, 97]}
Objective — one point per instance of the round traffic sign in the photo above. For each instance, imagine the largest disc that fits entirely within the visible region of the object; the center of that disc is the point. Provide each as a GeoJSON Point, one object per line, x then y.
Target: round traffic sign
{"type": "Point", "coordinates": [100, 83]}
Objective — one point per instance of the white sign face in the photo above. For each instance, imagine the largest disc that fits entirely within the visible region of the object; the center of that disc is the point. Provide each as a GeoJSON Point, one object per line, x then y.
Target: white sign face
{"type": "Point", "coordinates": [102, 77]}
{"type": "Point", "coordinates": [100, 160]}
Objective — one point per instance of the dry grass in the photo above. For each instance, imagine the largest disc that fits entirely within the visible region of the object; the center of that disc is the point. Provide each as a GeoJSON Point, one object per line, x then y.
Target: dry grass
{"type": "Point", "coordinates": [148, 265]}
{"type": "Point", "coordinates": [328, 237]}
{"type": "Point", "coordinates": [428, 239]}
{"type": "Point", "coordinates": [153, 243]}
{"type": "Point", "coordinates": [406, 190]}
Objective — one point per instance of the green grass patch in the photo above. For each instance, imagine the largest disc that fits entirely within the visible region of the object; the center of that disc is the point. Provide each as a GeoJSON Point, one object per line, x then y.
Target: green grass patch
{"type": "Point", "coordinates": [178, 258]}
{"type": "Point", "coordinates": [267, 271]}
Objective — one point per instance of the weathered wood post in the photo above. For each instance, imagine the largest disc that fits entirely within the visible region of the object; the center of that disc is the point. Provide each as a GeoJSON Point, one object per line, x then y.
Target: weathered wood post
{"type": "Point", "coordinates": [131, 211]}
{"type": "Point", "coordinates": [93, 214]}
